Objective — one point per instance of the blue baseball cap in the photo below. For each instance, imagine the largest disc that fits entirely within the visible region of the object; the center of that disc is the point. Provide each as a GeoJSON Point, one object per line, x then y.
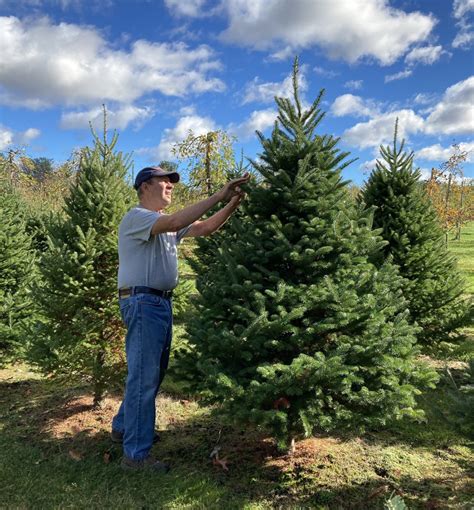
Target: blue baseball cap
{"type": "Point", "coordinates": [154, 171]}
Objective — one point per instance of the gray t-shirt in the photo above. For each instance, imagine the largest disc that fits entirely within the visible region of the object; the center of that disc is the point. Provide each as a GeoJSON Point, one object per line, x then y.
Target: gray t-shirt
{"type": "Point", "coordinates": [144, 259]}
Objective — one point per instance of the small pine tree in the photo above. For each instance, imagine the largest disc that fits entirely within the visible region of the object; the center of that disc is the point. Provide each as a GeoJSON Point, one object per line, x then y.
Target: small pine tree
{"type": "Point", "coordinates": [82, 332]}
{"type": "Point", "coordinates": [433, 285]}
{"type": "Point", "coordinates": [295, 328]}
{"type": "Point", "coordinates": [17, 272]}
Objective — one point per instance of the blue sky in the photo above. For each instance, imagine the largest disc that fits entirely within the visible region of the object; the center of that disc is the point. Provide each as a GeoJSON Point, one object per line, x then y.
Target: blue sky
{"type": "Point", "coordinates": [165, 67]}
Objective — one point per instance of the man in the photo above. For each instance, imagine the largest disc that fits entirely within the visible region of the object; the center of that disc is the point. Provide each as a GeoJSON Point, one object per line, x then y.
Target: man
{"type": "Point", "coordinates": [148, 273]}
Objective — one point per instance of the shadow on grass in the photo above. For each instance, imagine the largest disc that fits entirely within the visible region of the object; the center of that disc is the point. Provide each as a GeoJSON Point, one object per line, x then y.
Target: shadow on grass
{"type": "Point", "coordinates": [55, 451]}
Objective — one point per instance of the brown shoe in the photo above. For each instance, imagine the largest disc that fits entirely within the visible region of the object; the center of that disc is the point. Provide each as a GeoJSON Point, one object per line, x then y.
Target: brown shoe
{"type": "Point", "coordinates": [117, 437]}
{"type": "Point", "coordinates": [149, 463]}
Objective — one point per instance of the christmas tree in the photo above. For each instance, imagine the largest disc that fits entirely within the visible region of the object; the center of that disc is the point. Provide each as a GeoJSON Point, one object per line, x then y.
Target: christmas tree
{"type": "Point", "coordinates": [433, 285]}
{"type": "Point", "coordinates": [82, 332]}
{"type": "Point", "coordinates": [17, 272]}
{"type": "Point", "coordinates": [296, 329]}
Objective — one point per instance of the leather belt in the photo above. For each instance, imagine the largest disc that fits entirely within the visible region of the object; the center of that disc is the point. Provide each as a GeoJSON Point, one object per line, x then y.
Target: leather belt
{"type": "Point", "coordinates": [131, 291]}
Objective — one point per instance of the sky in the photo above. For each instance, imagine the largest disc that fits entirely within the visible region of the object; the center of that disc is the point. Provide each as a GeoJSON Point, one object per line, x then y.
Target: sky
{"type": "Point", "coordinates": [163, 68]}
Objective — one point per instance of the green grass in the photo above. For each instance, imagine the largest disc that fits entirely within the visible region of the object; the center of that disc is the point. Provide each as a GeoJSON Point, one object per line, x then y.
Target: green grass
{"type": "Point", "coordinates": [464, 252]}
{"type": "Point", "coordinates": [55, 451]}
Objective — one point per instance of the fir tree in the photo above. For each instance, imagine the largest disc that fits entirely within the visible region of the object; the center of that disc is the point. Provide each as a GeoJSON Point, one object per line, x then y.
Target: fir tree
{"type": "Point", "coordinates": [433, 285]}
{"type": "Point", "coordinates": [17, 272]}
{"type": "Point", "coordinates": [82, 332]}
{"type": "Point", "coordinates": [295, 329]}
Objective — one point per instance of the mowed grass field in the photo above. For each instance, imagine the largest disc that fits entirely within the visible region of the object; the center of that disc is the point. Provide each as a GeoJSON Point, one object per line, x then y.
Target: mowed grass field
{"type": "Point", "coordinates": [55, 451]}
{"type": "Point", "coordinates": [464, 251]}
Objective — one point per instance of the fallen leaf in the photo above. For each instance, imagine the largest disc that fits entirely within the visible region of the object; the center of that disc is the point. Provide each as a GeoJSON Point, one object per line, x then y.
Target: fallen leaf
{"type": "Point", "coordinates": [106, 457]}
{"type": "Point", "coordinates": [75, 455]}
{"type": "Point", "coordinates": [283, 402]}
{"type": "Point", "coordinates": [221, 462]}
{"type": "Point", "coordinates": [215, 452]}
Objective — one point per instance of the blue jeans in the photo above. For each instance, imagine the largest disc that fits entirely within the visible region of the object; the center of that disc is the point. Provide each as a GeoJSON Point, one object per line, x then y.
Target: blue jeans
{"type": "Point", "coordinates": [149, 330]}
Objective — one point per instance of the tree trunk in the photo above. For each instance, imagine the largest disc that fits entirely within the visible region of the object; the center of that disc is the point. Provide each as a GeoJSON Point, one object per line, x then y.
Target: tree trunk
{"type": "Point", "coordinates": [292, 448]}
{"type": "Point", "coordinates": [446, 207]}
{"type": "Point", "coordinates": [459, 221]}
{"type": "Point", "coordinates": [207, 163]}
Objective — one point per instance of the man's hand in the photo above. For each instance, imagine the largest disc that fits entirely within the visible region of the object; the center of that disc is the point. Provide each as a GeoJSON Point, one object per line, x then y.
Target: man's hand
{"type": "Point", "coordinates": [232, 188]}
{"type": "Point", "coordinates": [236, 199]}
{"type": "Point", "coordinates": [210, 225]}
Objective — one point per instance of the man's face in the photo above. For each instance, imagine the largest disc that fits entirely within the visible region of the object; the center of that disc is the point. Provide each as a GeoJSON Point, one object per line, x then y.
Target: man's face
{"type": "Point", "coordinates": [161, 188]}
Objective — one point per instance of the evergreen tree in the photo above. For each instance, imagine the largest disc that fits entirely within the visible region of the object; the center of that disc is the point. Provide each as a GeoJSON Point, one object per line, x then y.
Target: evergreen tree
{"type": "Point", "coordinates": [82, 332]}
{"type": "Point", "coordinates": [295, 328]}
{"type": "Point", "coordinates": [433, 285]}
{"type": "Point", "coordinates": [17, 271]}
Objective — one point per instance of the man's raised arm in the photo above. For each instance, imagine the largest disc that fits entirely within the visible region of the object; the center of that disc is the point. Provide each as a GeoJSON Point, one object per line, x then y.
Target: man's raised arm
{"type": "Point", "coordinates": [215, 222]}
{"type": "Point", "coordinates": [190, 214]}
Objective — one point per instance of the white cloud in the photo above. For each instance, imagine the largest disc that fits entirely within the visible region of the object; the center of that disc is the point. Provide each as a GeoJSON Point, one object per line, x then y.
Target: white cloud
{"type": "Point", "coordinates": [266, 92]}
{"type": "Point", "coordinates": [44, 64]}
{"type": "Point", "coordinates": [345, 29]}
{"type": "Point", "coordinates": [283, 54]}
{"type": "Point", "coordinates": [354, 84]}
{"type": "Point", "coordinates": [192, 8]}
{"type": "Point", "coordinates": [25, 137]}
{"type": "Point", "coordinates": [118, 118]}
{"type": "Point", "coordinates": [424, 98]}
{"type": "Point", "coordinates": [438, 153]}
{"type": "Point", "coordinates": [325, 72]}
{"type": "Point", "coordinates": [379, 129]}
{"type": "Point", "coordinates": [368, 166]}
{"type": "Point", "coordinates": [10, 138]}
{"type": "Point", "coordinates": [465, 37]}
{"type": "Point", "coordinates": [433, 153]}
{"type": "Point", "coordinates": [398, 76]}
{"type": "Point", "coordinates": [455, 112]}
{"type": "Point", "coordinates": [187, 110]}
{"type": "Point", "coordinates": [259, 120]}
{"type": "Point", "coordinates": [6, 138]}
{"type": "Point", "coordinates": [461, 7]}
{"type": "Point", "coordinates": [195, 123]}
{"type": "Point", "coordinates": [348, 104]}
{"type": "Point", "coordinates": [424, 55]}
